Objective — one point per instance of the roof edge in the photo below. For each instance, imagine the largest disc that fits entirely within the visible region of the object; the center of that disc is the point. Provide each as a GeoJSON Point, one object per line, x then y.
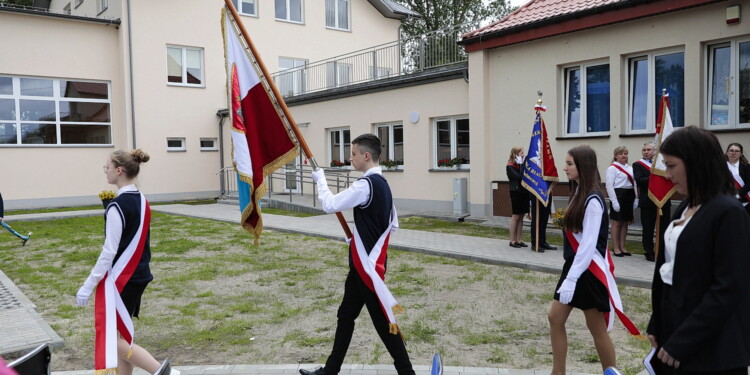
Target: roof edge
{"type": "Point", "coordinates": [44, 13]}
{"type": "Point", "coordinates": [390, 12]}
{"type": "Point", "coordinates": [556, 25]}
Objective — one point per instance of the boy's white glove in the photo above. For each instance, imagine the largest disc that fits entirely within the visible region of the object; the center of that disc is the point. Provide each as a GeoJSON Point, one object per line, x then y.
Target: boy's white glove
{"type": "Point", "coordinates": [616, 206]}
{"type": "Point", "coordinates": [566, 291]}
{"type": "Point", "coordinates": [318, 175]}
{"type": "Point", "coordinates": [635, 203]}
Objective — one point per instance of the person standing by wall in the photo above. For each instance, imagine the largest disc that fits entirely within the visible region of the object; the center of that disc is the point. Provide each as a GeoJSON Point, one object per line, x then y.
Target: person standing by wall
{"type": "Point", "coordinates": [738, 165]}
{"type": "Point", "coordinates": [123, 264]}
{"type": "Point", "coordinates": [649, 211]}
{"type": "Point", "coordinates": [8, 227]}
{"type": "Point", "coordinates": [622, 198]}
{"type": "Point", "coordinates": [519, 197]}
{"type": "Point", "coordinates": [700, 320]}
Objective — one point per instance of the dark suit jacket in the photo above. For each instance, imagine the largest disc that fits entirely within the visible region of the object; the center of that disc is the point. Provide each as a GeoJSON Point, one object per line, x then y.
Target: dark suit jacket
{"type": "Point", "coordinates": [745, 174]}
{"type": "Point", "coordinates": [704, 319]}
{"type": "Point", "coordinates": [514, 178]}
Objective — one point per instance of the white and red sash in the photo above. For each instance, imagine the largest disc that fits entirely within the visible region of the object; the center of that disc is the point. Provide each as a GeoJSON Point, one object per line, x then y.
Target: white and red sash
{"type": "Point", "coordinates": [645, 163]}
{"type": "Point", "coordinates": [627, 174]}
{"type": "Point", "coordinates": [371, 268]}
{"type": "Point", "coordinates": [110, 314]}
{"type": "Point", "coordinates": [738, 182]}
{"type": "Point", "coordinates": [604, 270]}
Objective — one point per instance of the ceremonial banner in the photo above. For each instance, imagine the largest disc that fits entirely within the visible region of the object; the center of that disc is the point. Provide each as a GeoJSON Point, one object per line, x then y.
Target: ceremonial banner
{"type": "Point", "coordinates": [261, 142]}
{"type": "Point", "coordinates": [539, 170]}
{"type": "Point", "coordinates": [659, 188]}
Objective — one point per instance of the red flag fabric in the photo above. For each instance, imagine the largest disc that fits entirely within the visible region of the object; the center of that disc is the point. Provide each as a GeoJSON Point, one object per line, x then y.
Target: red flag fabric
{"type": "Point", "coordinates": [260, 139]}
{"type": "Point", "coordinates": [659, 188]}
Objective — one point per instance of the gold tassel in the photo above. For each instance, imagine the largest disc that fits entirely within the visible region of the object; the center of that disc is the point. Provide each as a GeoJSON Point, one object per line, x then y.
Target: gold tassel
{"type": "Point", "coordinates": [106, 371]}
{"type": "Point", "coordinates": [397, 309]}
{"type": "Point", "coordinates": [130, 353]}
{"type": "Point", "coordinates": [393, 328]}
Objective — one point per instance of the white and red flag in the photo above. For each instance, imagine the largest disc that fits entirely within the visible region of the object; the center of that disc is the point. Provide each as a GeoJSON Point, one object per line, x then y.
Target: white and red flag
{"type": "Point", "coordinates": [659, 188]}
{"type": "Point", "coordinates": [260, 139]}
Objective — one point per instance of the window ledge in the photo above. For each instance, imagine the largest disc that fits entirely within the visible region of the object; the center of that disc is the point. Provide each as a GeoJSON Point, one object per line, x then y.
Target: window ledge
{"type": "Point", "coordinates": [729, 130]}
{"type": "Point", "coordinates": [338, 29]}
{"type": "Point", "coordinates": [582, 137]}
{"type": "Point", "coordinates": [635, 135]}
{"type": "Point", "coordinates": [392, 170]}
{"type": "Point", "coordinates": [448, 170]}
{"type": "Point", "coordinates": [185, 85]}
{"type": "Point", "coordinates": [290, 21]}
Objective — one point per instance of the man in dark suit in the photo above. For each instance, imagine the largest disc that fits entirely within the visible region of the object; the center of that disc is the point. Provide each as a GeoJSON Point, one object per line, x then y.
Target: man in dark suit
{"type": "Point", "coordinates": [543, 218]}
{"type": "Point", "coordinates": [642, 172]}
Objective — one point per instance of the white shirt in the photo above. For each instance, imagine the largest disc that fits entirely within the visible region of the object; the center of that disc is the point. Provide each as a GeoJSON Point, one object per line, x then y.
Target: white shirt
{"type": "Point", "coordinates": [616, 179]}
{"type": "Point", "coordinates": [592, 222]}
{"type": "Point", "coordinates": [671, 235]}
{"type": "Point", "coordinates": [113, 233]}
{"type": "Point", "coordinates": [356, 195]}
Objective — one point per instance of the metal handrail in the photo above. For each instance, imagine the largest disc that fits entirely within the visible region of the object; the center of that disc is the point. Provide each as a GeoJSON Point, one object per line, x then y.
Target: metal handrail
{"type": "Point", "coordinates": [432, 50]}
{"type": "Point", "coordinates": [338, 180]}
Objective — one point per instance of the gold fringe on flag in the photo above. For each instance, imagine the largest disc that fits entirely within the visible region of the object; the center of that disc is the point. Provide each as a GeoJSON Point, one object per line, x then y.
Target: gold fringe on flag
{"type": "Point", "coordinates": [130, 353]}
{"type": "Point", "coordinates": [106, 371]}
{"type": "Point", "coordinates": [392, 329]}
{"type": "Point", "coordinates": [398, 309]}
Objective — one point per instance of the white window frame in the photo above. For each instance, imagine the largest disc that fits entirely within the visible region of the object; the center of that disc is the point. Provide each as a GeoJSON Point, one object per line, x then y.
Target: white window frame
{"type": "Point", "coordinates": [733, 85]}
{"type": "Point", "coordinates": [390, 126]}
{"type": "Point", "coordinates": [454, 140]}
{"type": "Point", "coordinates": [241, 9]}
{"type": "Point", "coordinates": [183, 50]}
{"type": "Point", "coordinates": [289, 12]}
{"type": "Point", "coordinates": [336, 12]}
{"type": "Point", "coordinates": [342, 149]}
{"type": "Point", "coordinates": [215, 143]}
{"type": "Point", "coordinates": [103, 5]}
{"type": "Point", "coordinates": [298, 75]}
{"type": "Point", "coordinates": [181, 148]}
{"type": "Point", "coordinates": [583, 125]}
{"type": "Point", "coordinates": [57, 98]}
{"type": "Point", "coordinates": [651, 108]}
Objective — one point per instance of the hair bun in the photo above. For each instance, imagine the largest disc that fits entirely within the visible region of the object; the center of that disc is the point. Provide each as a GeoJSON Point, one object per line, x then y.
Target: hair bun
{"type": "Point", "coordinates": [139, 156]}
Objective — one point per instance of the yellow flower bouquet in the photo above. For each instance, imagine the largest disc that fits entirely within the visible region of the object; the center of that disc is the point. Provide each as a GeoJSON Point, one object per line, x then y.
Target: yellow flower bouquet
{"type": "Point", "coordinates": [558, 218]}
{"type": "Point", "coordinates": [107, 194]}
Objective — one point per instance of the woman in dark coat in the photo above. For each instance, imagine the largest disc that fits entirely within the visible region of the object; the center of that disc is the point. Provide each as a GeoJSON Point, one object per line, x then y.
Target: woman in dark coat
{"type": "Point", "coordinates": [519, 198]}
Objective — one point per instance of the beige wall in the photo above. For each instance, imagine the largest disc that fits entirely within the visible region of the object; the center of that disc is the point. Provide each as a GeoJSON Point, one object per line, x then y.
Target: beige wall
{"type": "Point", "coordinates": [424, 187]}
{"type": "Point", "coordinates": [32, 174]}
{"type": "Point", "coordinates": [516, 72]}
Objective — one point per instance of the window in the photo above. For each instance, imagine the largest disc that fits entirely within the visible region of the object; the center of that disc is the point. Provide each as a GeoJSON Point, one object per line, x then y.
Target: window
{"type": "Point", "coordinates": [647, 76]}
{"type": "Point", "coordinates": [44, 111]}
{"type": "Point", "coordinates": [452, 140]}
{"type": "Point", "coordinates": [586, 99]}
{"type": "Point", "coordinates": [339, 147]}
{"type": "Point", "coordinates": [729, 85]}
{"type": "Point", "coordinates": [338, 74]}
{"type": "Point", "coordinates": [289, 10]}
{"type": "Point", "coordinates": [103, 5]}
{"type": "Point", "coordinates": [66, 10]}
{"type": "Point", "coordinates": [185, 66]}
{"type": "Point", "coordinates": [392, 143]}
{"type": "Point", "coordinates": [246, 7]}
{"type": "Point", "coordinates": [78, 2]}
{"type": "Point", "coordinates": [337, 14]}
{"type": "Point", "coordinates": [175, 144]}
{"type": "Point", "coordinates": [292, 82]}
{"type": "Point", "coordinates": [208, 144]}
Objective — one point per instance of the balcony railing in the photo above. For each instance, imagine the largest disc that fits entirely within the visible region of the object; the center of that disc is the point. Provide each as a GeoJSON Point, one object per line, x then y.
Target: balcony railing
{"type": "Point", "coordinates": [429, 51]}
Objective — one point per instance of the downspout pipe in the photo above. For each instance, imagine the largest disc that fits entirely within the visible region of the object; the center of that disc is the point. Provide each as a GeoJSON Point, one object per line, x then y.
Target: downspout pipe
{"type": "Point", "coordinates": [222, 114]}
{"type": "Point", "coordinates": [132, 83]}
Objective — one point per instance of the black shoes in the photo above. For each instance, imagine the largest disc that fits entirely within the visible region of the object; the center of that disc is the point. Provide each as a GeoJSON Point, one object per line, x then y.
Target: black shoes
{"type": "Point", "coordinates": [547, 246]}
{"type": "Point", "coordinates": [650, 257]}
{"type": "Point", "coordinates": [317, 371]}
{"type": "Point", "coordinates": [521, 244]}
{"type": "Point", "coordinates": [513, 244]}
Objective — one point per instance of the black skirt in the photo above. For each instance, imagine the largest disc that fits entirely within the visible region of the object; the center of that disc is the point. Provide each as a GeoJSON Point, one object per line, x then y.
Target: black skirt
{"type": "Point", "coordinates": [625, 197]}
{"type": "Point", "coordinates": [131, 297]}
{"type": "Point", "coordinates": [589, 293]}
{"type": "Point", "coordinates": [519, 201]}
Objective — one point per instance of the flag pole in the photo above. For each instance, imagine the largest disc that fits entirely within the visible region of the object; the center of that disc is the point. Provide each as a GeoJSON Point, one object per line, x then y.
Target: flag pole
{"type": "Point", "coordinates": [280, 101]}
{"type": "Point", "coordinates": [536, 222]}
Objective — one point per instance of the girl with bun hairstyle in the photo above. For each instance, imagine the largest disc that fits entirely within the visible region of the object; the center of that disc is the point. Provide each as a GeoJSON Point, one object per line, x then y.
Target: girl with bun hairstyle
{"type": "Point", "coordinates": [122, 271]}
{"type": "Point", "coordinates": [519, 197]}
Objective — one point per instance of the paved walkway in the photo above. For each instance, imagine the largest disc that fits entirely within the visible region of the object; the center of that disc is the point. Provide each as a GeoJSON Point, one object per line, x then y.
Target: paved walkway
{"type": "Point", "coordinates": [633, 271]}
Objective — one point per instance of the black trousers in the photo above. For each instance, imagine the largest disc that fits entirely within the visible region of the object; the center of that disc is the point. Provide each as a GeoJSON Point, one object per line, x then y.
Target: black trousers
{"type": "Point", "coordinates": [543, 218]}
{"type": "Point", "coordinates": [648, 220]}
{"type": "Point", "coordinates": [356, 295]}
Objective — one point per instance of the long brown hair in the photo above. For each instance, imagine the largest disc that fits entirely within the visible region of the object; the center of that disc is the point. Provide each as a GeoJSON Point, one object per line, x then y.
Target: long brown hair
{"type": "Point", "coordinates": [588, 181]}
{"type": "Point", "coordinates": [513, 153]}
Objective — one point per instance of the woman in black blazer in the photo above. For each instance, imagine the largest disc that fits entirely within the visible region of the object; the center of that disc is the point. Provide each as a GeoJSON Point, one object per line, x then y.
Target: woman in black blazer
{"type": "Point", "coordinates": [738, 165]}
{"type": "Point", "coordinates": [519, 198]}
{"type": "Point", "coordinates": [700, 321]}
